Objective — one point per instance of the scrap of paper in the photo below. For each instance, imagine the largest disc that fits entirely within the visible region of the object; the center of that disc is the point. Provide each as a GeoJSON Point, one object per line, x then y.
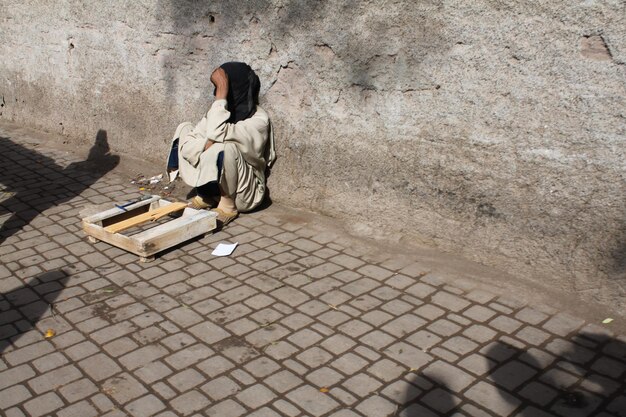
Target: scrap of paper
{"type": "Point", "coordinates": [224, 249]}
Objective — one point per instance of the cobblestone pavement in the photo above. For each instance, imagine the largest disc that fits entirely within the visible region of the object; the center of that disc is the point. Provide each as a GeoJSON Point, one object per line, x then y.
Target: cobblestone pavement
{"type": "Point", "coordinates": [299, 321]}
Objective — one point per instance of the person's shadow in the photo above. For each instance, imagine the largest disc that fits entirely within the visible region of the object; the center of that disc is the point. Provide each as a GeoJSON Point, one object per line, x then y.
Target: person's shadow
{"type": "Point", "coordinates": [27, 304]}
{"type": "Point", "coordinates": [34, 183]}
{"type": "Point", "coordinates": [582, 375]}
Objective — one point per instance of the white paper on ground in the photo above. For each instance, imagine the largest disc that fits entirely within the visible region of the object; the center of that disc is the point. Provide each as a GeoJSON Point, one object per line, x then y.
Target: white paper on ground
{"type": "Point", "coordinates": [224, 249]}
{"type": "Point", "coordinates": [173, 175]}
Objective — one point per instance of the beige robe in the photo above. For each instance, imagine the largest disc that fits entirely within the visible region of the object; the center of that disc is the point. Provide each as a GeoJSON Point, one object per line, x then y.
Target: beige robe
{"type": "Point", "coordinates": [248, 148]}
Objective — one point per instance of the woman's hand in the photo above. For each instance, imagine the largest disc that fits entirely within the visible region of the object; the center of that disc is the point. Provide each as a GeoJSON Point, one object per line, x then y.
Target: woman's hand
{"type": "Point", "coordinates": [219, 78]}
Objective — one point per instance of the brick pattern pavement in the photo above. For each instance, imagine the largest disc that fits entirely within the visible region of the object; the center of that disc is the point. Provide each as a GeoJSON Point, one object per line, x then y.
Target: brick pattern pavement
{"type": "Point", "coordinates": [299, 321]}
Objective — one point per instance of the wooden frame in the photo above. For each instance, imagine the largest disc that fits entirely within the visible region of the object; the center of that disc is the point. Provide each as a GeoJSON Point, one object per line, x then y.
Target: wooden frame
{"type": "Point", "coordinates": [108, 226]}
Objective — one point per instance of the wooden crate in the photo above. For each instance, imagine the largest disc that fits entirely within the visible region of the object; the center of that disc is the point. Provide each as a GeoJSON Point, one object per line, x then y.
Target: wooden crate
{"type": "Point", "coordinates": [132, 221]}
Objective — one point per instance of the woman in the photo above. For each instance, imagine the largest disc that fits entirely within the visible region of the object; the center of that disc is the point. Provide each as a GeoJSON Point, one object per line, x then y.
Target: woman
{"type": "Point", "coordinates": [225, 155]}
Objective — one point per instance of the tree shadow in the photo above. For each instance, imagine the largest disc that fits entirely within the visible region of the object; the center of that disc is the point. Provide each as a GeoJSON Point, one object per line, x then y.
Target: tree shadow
{"type": "Point", "coordinates": [583, 375]}
{"type": "Point", "coordinates": [36, 183]}
{"type": "Point", "coordinates": [23, 307]}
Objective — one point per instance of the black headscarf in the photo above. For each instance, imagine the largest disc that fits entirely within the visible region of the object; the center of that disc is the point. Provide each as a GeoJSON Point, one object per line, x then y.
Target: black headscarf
{"type": "Point", "coordinates": [243, 91]}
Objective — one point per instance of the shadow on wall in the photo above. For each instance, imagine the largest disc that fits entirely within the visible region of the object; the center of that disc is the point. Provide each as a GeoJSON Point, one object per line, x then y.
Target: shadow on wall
{"type": "Point", "coordinates": [28, 304]}
{"type": "Point", "coordinates": [36, 183]}
{"type": "Point", "coordinates": [582, 376]}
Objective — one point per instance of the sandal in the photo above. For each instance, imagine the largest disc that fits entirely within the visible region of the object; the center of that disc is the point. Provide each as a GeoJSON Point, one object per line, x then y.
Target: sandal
{"type": "Point", "coordinates": [225, 217]}
{"type": "Point", "coordinates": [200, 203]}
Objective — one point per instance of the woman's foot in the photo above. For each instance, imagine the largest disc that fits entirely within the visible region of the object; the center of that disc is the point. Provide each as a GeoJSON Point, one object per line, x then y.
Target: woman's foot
{"type": "Point", "coordinates": [225, 217]}
{"type": "Point", "coordinates": [201, 203]}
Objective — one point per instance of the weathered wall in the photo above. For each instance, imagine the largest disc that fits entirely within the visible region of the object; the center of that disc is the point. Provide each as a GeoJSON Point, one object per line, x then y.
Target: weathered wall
{"type": "Point", "coordinates": [496, 129]}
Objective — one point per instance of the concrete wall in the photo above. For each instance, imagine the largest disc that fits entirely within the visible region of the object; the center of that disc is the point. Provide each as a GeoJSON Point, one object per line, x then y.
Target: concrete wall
{"type": "Point", "coordinates": [495, 129]}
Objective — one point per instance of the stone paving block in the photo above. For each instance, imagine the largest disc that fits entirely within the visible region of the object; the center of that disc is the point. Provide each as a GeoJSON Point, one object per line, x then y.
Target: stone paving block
{"type": "Point", "coordinates": [267, 334]}
{"type": "Point", "coordinates": [208, 332]}
{"type": "Point", "coordinates": [618, 405]}
{"type": "Point", "coordinates": [562, 324]}
{"type": "Point", "coordinates": [376, 318]}
{"type": "Point", "coordinates": [286, 408]}
{"type": "Point", "coordinates": [537, 358]}
{"type": "Point", "coordinates": [386, 370]}
{"type": "Point", "coordinates": [512, 374]}
{"type": "Point", "coordinates": [255, 396]}
{"type": "Point", "coordinates": [492, 398]}
{"type": "Point", "coordinates": [227, 408]}
{"type": "Point", "coordinates": [538, 393]}
{"type": "Point", "coordinates": [377, 339]}
{"type": "Point", "coordinates": [54, 379]}
{"type": "Point", "coordinates": [123, 388]}
{"type": "Point", "coordinates": [314, 357]}
{"type": "Point", "coordinates": [444, 327]}
{"type": "Point", "coordinates": [81, 350]}
{"type": "Point", "coordinates": [421, 290]}
{"type": "Point", "coordinates": [349, 363]}
{"type": "Point", "coordinates": [312, 401]}
{"type": "Point", "coordinates": [570, 351]}
{"type": "Point", "coordinates": [416, 410]}
{"type": "Point", "coordinates": [50, 361]}
{"type": "Point", "coordinates": [532, 335]}
{"type": "Point", "coordinates": [191, 402]}
{"type": "Point", "coordinates": [477, 364]}
{"type": "Point", "coordinates": [448, 375]}
{"type": "Point", "coordinates": [290, 296]}
{"type": "Point", "coordinates": [28, 353]}
{"type": "Point", "coordinates": [354, 328]}
{"type": "Point", "coordinates": [120, 346]}
{"type": "Point", "coordinates": [142, 356]}
{"type": "Point", "coordinates": [359, 287]}
{"type": "Point", "coordinates": [188, 356]}
{"type": "Point", "coordinates": [459, 345]}
{"type": "Point", "coordinates": [220, 388]}
{"type": "Point", "coordinates": [78, 390]}
{"type": "Point", "coordinates": [324, 377]}
{"type": "Point", "coordinates": [43, 404]}
{"type": "Point", "coordinates": [479, 333]}
{"type": "Point", "coordinates": [610, 367]}
{"type": "Point", "coordinates": [81, 409]}
{"type": "Point", "coordinates": [408, 355]}
{"type": "Point", "coordinates": [449, 301]}
{"type": "Point", "coordinates": [397, 307]}
{"type": "Point", "coordinates": [403, 325]}
{"type": "Point", "coordinates": [145, 406]}
{"type": "Point", "coordinates": [376, 406]}
{"type": "Point", "coordinates": [505, 324]}
{"type": "Point", "coordinates": [423, 339]}
{"type": "Point", "coordinates": [347, 261]}
{"type": "Point", "coordinates": [13, 395]}
{"type": "Point", "coordinates": [304, 338]}
{"type": "Point", "coordinates": [110, 333]}
{"type": "Point", "coordinates": [441, 400]}
{"type": "Point", "coordinates": [262, 367]}
{"type": "Point", "coordinates": [564, 409]}
{"type": "Point", "coordinates": [186, 380]}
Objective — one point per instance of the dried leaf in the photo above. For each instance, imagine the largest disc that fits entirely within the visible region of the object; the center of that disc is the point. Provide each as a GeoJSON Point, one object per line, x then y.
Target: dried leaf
{"type": "Point", "coordinates": [324, 389]}
{"type": "Point", "coordinates": [333, 307]}
{"type": "Point", "coordinates": [109, 290]}
{"type": "Point", "coordinates": [49, 333]}
{"type": "Point", "coordinates": [607, 320]}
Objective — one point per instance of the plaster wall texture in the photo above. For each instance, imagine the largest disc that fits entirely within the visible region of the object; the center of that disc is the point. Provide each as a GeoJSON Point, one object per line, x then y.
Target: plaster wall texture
{"type": "Point", "coordinates": [494, 129]}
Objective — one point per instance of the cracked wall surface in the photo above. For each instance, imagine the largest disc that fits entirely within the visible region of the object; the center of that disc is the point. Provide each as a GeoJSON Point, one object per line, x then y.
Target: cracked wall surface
{"type": "Point", "coordinates": [495, 129]}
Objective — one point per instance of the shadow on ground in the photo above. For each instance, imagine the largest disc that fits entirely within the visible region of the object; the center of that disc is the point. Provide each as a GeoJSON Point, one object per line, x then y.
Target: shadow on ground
{"type": "Point", "coordinates": [35, 183]}
{"type": "Point", "coordinates": [23, 307]}
{"type": "Point", "coordinates": [584, 375]}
